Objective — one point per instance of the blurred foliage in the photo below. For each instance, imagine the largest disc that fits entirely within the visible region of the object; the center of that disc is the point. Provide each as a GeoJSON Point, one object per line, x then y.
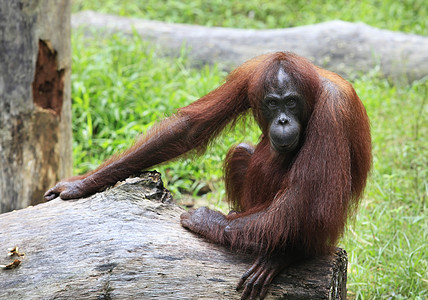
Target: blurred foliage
{"type": "Point", "coordinates": [407, 15]}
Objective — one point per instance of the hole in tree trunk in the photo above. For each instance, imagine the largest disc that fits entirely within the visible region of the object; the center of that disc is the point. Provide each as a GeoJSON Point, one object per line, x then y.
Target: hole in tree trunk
{"type": "Point", "coordinates": [48, 84]}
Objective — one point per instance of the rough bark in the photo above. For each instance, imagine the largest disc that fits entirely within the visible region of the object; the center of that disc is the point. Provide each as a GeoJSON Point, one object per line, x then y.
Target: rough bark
{"type": "Point", "coordinates": [339, 46]}
{"type": "Point", "coordinates": [35, 105]}
{"type": "Point", "coordinates": [127, 243]}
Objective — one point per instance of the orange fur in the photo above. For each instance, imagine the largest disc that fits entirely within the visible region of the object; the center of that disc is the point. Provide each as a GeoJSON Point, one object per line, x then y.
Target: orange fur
{"type": "Point", "coordinates": [300, 200]}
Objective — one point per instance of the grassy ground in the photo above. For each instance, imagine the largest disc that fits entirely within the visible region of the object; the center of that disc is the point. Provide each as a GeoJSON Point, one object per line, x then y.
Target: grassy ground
{"type": "Point", "coordinates": [120, 87]}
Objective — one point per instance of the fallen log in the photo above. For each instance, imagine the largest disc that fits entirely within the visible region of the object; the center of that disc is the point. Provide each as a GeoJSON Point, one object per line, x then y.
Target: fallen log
{"type": "Point", "coordinates": [339, 46]}
{"type": "Point", "coordinates": [127, 243]}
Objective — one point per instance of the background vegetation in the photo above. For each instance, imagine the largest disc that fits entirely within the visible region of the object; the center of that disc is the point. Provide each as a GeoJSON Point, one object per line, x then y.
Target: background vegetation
{"type": "Point", "coordinates": [405, 15]}
{"type": "Point", "coordinates": [120, 87]}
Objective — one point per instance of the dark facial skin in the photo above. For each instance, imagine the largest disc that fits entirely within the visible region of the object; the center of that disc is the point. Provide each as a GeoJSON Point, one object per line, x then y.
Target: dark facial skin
{"type": "Point", "coordinates": [283, 108]}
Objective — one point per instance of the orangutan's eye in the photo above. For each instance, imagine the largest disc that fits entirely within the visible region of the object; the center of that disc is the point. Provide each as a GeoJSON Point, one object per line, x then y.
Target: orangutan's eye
{"type": "Point", "coordinates": [291, 103]}
{"type": "Point", "coordinates": [273, 103]}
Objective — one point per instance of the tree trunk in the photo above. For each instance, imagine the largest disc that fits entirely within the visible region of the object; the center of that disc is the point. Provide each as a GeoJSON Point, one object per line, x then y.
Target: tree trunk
{"type": "Point", "coordinates": [35, 105]}
{"type": "Point", "coordinates": [127, 243]}
{"type": "Point", "coordinates": [342, 47]}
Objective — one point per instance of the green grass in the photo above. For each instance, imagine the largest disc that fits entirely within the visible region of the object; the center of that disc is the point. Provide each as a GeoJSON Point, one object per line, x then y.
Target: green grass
{"type": "Point", "coordinates": [407, 15]}
{"type": "Point", "coordinates": [120, 87]}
